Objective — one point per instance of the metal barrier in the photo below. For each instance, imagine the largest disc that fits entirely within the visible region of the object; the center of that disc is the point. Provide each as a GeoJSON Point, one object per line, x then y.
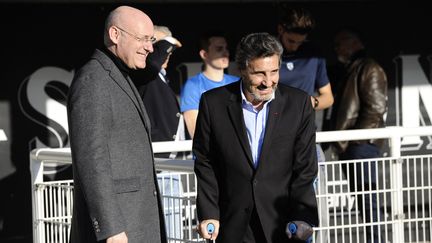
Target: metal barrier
{"type": "Point", "coordinates": [403, 193]}
{"type": "Point", "coordinates": [347, 219]}
{"type": "Point", "coordinates": [53, 200]}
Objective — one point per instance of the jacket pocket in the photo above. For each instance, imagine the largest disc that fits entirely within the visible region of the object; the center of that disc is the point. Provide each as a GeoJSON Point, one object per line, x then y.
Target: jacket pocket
{"type": "Point", "coordinates": [127, 185]}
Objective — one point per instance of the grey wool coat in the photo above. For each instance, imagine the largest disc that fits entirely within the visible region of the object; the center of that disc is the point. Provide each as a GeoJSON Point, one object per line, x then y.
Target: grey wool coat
{"type": "Point", "coordinates": [115, 185]}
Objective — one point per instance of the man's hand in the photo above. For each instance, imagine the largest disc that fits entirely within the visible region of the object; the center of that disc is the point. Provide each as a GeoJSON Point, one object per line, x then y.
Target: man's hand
{"type": "Point", "coordinates": [202, 229]}
{"type": "Point", "coordinates": [190, 118]}
{"type": "Point", "coordinates": [299, 230]}
{"type": "Point", "coordinates": [119, 238]}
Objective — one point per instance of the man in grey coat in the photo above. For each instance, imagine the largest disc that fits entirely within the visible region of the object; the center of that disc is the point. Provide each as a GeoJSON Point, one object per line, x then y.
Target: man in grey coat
{"type": "Point", "coordinates": [116, 197]}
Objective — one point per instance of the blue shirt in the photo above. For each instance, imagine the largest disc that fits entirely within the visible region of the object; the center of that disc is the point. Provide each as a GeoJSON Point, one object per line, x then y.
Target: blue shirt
{"type": "Point", "coordinates": [255, 122]}
{"type": "Point", "coordinates": [306, 73]}
{"type": "Point", "coordinates": [196, 86]}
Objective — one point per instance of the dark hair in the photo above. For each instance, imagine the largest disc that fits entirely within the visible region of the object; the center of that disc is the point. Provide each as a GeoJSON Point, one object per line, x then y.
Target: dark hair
{"type": "Point", "coordinates": [351, 32]}
{"type": "Point", "coordinates": [297, 20]}
{"type": "Point", "coordinates": [256, 45]}
{"type": "Point", "coordinates": [204, 40]}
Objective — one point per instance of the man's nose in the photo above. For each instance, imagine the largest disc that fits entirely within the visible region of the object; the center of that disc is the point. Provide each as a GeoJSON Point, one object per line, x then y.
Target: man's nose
{"type": "Point", "coordinates": [148, 47]}
{"type": "Point", "coordinates": [267, 81]}
{"type": "Point", "coordinates": [226, 53]}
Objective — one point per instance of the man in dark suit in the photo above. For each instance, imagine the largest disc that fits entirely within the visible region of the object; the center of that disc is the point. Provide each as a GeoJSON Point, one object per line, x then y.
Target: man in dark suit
{"type": "Point", "coordinates": [255, 151]}
{"type": "Point", "coordinates": [160, 100]}
{"type": "Point", "coordinates": [116, 198]}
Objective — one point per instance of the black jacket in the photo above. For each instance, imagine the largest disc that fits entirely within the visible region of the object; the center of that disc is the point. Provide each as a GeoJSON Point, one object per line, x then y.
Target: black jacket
{"type": "Point", "coordinates": [159, 99]}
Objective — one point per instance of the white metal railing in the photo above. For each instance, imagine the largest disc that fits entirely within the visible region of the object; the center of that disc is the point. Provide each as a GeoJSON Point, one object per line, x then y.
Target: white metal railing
{"type": "Point", "coordinates": [396, 168]}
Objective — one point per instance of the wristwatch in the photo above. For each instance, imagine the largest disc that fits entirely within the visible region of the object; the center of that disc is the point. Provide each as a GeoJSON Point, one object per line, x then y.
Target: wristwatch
{"type": "Point", "coordinates": [316, 102]}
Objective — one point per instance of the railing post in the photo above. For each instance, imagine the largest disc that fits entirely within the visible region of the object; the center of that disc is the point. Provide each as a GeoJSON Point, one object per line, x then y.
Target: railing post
{"type": "Point", "coordinates": [396, 185]}
{"type": "Point", "coordinates": [36, 172]}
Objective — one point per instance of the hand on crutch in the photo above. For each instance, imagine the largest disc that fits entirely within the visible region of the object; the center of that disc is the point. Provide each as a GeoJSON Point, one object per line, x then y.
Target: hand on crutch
{"type": "Point", "coordinates": [299, 230]}
{"type": "Point", "coordinates": [209, 229]}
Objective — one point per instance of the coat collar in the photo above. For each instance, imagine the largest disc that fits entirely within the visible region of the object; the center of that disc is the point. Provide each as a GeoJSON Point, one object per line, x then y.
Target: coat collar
{"type": "Point", "coordinates": [236, 115]}
{"type": "Point", "coordinates": [125, 84]}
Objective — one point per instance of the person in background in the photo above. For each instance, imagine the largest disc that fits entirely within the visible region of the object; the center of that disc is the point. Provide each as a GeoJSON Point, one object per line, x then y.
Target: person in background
{"type": "Point", "coordinates": [159, 99]}
{"type": "Point", "coordinates": [302, 67]}
{"type": "Point", "coordinates": [215, 56]}
{"type": "Point", "coordinates": [361, 103]}
{"type": "Point", "coordinates": [255, 152]}
{"type": "Point", "coordinates": [116, 197]}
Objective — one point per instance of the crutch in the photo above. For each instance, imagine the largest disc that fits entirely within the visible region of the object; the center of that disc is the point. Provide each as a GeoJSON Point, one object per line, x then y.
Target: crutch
{"type": "Point", "coordinates": [210, 230]}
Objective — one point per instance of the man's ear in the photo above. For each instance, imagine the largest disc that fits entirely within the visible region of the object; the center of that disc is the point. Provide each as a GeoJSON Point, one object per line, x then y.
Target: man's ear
{"type": "Point", "coordinates": [114, 34]}
{"type": "Point", "coordinates": [203, 54]}
{"type": "Point", "coordinates": [280, 29]}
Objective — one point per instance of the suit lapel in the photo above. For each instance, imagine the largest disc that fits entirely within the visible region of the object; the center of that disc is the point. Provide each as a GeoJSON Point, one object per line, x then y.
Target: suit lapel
{"type": "Point", "coordinates": [236, 114]}
{"type": "Point", "coordinates": [275, 109]}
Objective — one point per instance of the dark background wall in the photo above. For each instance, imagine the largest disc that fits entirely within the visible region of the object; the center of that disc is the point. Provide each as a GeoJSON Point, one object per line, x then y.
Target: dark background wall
{"type": "Point", "coordinates": [35, 35]}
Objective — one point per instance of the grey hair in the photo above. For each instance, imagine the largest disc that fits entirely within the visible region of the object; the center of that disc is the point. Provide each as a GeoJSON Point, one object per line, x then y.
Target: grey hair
{"type": "Point", "coordinates": [257, 45]}
{"type": "Point", "coordinates": [163, 29]}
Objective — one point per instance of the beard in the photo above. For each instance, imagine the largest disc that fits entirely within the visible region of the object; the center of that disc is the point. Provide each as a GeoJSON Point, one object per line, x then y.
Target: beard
{"type": "Point", "coordinates": [257, 97]}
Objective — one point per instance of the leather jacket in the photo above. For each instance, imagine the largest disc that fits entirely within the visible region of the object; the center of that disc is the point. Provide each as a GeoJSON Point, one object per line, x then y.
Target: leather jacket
{"type": "Point", "coordinates": [363, 99]}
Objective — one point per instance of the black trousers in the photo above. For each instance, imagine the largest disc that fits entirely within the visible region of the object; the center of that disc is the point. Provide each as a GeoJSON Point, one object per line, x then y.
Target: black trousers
{"type": "Point", "coordinates": [254, 232]}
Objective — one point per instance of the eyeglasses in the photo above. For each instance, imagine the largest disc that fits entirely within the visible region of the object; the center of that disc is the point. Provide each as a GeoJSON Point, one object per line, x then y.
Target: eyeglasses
{"type": "Point", "coordinates": [144, 39]}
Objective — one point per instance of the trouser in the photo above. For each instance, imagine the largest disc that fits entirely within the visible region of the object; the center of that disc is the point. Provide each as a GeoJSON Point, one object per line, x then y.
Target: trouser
{"type": "Point", "coordinates": [362, 176]}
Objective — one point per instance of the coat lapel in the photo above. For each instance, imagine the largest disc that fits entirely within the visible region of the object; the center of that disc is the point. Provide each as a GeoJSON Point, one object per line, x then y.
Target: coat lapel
{"type": "Point", "coordinates": [236, 114]}
{"type": "Point", "coordinates": [275, 109]}
{"type": "Point", "coordinates": [140, 104]}
{"type": "Point", "coordinates": [126, 85]}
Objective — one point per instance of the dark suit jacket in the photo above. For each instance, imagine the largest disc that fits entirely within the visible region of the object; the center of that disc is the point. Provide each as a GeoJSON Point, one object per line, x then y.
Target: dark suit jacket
{"type": "Point", "coordinates": [115, 187]}
{"type": "Point", "coordinates": [158, 97]}
{"type": "Point", "coordinates": [280, 187]}
{"type": "Point", "coordinates": [163, 109]}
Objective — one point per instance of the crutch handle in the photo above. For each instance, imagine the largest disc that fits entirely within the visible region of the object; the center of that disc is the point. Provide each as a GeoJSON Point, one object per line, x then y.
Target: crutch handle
{"type": "Point", "coordinates": [210, 230]}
